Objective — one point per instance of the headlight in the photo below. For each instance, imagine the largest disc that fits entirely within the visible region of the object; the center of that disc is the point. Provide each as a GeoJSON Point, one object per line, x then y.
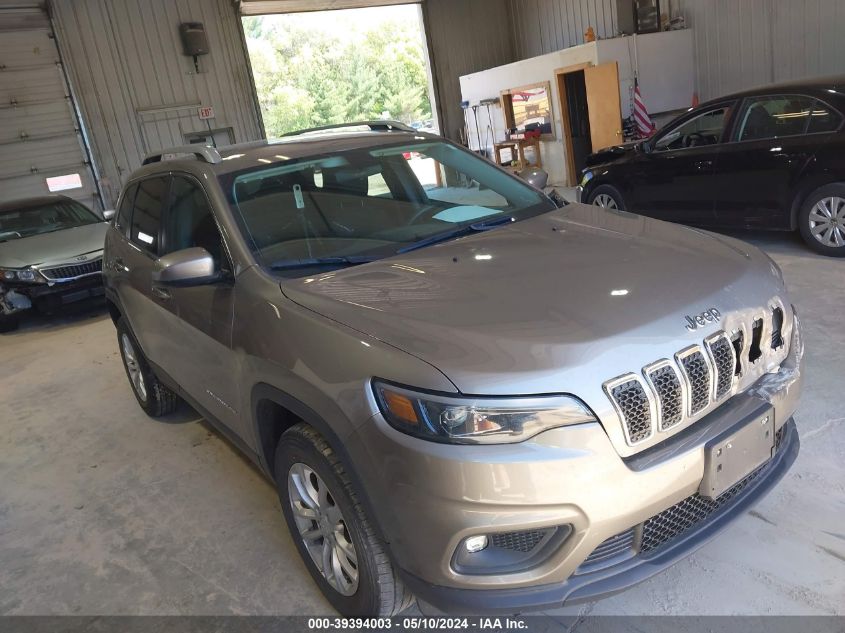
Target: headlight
{"type": "Point", "coordinates": [587, 177]}
{"type": "Point", "coordinates": [475, 420]}
{"type": "Point", "coordinates": [26, 275]}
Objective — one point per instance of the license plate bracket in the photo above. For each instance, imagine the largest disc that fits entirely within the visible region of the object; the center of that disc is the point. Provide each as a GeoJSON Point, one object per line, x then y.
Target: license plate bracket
{"type": "Point", "coordinates": [736, 453]}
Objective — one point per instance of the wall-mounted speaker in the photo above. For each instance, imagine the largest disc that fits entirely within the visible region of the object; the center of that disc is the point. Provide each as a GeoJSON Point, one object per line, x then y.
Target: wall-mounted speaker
{"type": "Point", "coordinates": [194, 40]}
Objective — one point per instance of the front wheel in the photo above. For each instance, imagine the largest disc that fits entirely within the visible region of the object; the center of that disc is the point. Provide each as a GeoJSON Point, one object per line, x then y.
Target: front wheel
{"type": "Point", "coordinates": [331, 530]}
{"type": "Point", "coordinates": [607, 197]}
{"type": "Point", "coordinates": [9, 322]}
{"type": "Point", "coordinates": [155, 399]}
{"type": "Point", "coordinates": [822, 220]}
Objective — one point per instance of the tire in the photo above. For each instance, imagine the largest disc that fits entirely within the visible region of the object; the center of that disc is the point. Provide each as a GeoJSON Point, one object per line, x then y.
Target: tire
{"type": "Point", "coordinates": [304, 456]}
{"type": "Point", "coordinates": [824, 233]}
{"type": "Point", "coordinates": [155, 399]}
{"type": "Point", "coordinates": [607, 197]}
{"type": "Point", "coordinates": [9, 323]}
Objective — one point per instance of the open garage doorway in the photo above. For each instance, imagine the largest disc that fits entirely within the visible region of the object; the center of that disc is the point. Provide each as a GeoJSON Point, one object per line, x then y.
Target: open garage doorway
{"type": "Point", "coordinates": [314, 68]}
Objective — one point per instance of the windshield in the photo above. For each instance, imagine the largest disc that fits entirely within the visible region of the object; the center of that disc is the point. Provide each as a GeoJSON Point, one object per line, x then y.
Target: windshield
{"type": "Point", "coordinates": [44, 218]}
{"type": "Point", "coordinates": [356, 206]}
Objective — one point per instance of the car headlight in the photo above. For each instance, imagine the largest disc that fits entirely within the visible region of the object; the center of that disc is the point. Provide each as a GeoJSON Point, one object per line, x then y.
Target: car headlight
{"type": "Point", "coordinates": [587, 177]}
{"type": "Point", "coordinates": [476, 420]}
{"type": "Point", "coordinates": [26, 275]}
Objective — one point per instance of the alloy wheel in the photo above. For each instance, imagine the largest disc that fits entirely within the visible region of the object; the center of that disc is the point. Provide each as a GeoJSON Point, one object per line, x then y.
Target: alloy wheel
{"type": "Point", "coordinates": [827, 221]}
{"type": "Point", "coordinates": [605, 201]}
{"type": "Point", "coordinates": [323, 529]}
{"type": "Point", "coordinates": [133, 367]}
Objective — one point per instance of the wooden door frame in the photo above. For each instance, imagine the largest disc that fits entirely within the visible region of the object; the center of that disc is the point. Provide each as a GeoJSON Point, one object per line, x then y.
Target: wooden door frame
{"type": "Point", "coordinates": [563, 103]}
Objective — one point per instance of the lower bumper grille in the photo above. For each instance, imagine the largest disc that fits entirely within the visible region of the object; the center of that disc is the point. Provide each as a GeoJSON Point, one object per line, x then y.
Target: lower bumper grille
{"type": "Point", "coordinates": [519, 541]}
{"type": "Point", "coordinates": [622, 543]}
{"type": "Point", "coordinates": [664, 527]}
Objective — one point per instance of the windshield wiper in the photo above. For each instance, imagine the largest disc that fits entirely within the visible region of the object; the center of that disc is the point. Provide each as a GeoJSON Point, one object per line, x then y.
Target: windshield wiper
{"type": "Point", "coordinates": [476, 227]}
{"type": "Point", "coordinates": [316, 262]}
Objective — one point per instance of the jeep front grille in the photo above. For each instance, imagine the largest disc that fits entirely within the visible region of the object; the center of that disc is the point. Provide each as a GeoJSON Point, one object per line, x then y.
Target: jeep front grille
{"type": "Point", "coordinates": [633, 404]}
{"type": "Point", "coordinates": [73, 271]}
{"type": "Point", "coordinates": [777, 328]}
{"type": "Point", "coordinates": [697, 373]}
{"type": "Point", "coordinates": [670, 396]}
{"type": "Point", "coordinates": [722, 355]}
{"type": "Point", "coordinates": [666, 395]}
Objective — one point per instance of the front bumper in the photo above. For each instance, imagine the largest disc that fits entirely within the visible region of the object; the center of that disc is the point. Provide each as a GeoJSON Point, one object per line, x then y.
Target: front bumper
{"type": "Point", "coordinates": [579, 194]}
{"type": "Point", "coordinates": [47, 297]}
{"type": "Point", "coordinates": [623, 569]}
{"type": "Point", "coordinates": [427, 498]}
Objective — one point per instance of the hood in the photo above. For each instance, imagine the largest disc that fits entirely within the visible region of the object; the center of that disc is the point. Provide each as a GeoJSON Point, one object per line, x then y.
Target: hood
{"type": "Point", "coordinates": [575, 296]}
{"type": "Point", "coordinates": [612, 154]}
{"type": "Point", "coordinates": [58, 247]}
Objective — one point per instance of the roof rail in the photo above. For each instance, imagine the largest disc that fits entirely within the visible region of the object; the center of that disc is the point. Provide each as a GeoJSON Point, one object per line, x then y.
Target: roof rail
{"type": "Point", "coordinates": [375, 126]}
{"type": "Point", "coordinates": [206, 153]}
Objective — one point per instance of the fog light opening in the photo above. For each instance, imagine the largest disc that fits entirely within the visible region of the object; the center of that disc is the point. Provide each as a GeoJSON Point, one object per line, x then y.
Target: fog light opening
{"type": "Point", "coordinates": [476, 543]}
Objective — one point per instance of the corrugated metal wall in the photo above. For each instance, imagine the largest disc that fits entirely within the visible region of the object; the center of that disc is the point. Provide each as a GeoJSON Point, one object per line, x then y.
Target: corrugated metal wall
{"type": "Point", "coordinates": [464, 36]}
{"type": "Point", "coordinates": [40, 140]}
{"type": "Point", "coordinates": [545, 26]}
{"type": "Point", "coordinates": [743, 44]}
{"type": "Point", "coordinates": [137, 91]}
{"type": "Point", "coordinates": [739, 43]}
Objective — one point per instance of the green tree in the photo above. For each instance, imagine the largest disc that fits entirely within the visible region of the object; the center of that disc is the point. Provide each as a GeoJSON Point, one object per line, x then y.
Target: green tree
{"type": "Point", "coordinates": [307, 76]}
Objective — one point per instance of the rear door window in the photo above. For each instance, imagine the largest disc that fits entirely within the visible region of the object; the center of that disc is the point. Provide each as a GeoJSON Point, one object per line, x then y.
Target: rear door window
{"type": "Point", "coordinates": [779, 116]}
{"type": "Point", "coordinates": [146, 216]}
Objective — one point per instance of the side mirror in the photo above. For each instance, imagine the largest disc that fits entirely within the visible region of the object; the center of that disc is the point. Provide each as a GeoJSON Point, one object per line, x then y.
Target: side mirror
{"type": "Point", "coordinates": [108, 215]}
{"type": "Point", "coordinates": [557, 198]}
{"type": "Point", "coordinates": [188, 267]}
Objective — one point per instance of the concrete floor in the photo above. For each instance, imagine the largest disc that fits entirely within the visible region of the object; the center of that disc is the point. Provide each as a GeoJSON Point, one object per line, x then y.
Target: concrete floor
{"type": "Point", "coordinates": [105, 511]}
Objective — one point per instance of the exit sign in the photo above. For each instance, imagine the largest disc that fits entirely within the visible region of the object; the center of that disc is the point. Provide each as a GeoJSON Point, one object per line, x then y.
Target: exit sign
{"type": "Point", "coordinates": [206, 112]}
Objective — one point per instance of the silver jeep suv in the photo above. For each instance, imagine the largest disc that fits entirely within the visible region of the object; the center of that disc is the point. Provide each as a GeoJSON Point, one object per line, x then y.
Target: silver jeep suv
{"type": "Point", "coordinates": [463, 392]}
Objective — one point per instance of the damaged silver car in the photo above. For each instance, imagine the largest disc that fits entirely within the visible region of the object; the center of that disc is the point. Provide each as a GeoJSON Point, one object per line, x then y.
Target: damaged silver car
{"type": "Point", "coordinates": [51, 254]}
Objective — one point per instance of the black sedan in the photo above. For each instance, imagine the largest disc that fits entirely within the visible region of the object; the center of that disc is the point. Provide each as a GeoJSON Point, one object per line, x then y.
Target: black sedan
{"type": "Point", "coordinates": [771, 158]}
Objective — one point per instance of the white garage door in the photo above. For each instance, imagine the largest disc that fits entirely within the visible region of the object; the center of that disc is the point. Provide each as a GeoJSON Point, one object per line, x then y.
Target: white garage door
{"type": "Point", "coordinates": [41, 146]}
{"type": "Point", "coordinates": [264, 7]}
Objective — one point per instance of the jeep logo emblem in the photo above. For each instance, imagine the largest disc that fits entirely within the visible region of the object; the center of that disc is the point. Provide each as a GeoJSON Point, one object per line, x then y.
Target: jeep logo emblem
{"type": "Point", "coordinates": [700, 320]}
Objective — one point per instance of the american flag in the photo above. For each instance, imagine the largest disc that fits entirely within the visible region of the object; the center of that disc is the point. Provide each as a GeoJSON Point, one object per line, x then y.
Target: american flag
{"type": "Point", "coordinates": [644, 122]}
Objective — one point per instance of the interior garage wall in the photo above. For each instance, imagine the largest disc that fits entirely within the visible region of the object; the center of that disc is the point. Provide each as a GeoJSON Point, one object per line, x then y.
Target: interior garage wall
{"type": "Point", "coordinates": [740, 45]}
{"type": "Point", "coordinates": [137, 91]}
{"type": "Point", "coordinates": [546, 26]}
{"type": "Point", "coordinates": [464, 36]}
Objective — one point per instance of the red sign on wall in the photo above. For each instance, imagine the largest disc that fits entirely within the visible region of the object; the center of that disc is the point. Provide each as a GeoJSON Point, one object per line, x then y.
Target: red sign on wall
{"type": "Point", "coordinates": [206, 112]}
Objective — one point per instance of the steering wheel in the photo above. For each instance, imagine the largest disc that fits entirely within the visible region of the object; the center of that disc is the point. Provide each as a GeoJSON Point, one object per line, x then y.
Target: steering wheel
{"type": "Point", "coordinates": [694, 139]}
{"type": "Point", "coordinates": [426, 209]}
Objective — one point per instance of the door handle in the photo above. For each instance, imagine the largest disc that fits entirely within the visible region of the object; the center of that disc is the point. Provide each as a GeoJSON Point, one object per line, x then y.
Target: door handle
{"type": "Point", "coordinates": [118, 265]}
{"type": "Point", "coordinates": [161, 293]}
{"type": "Point", "coordinates": [704, 164]}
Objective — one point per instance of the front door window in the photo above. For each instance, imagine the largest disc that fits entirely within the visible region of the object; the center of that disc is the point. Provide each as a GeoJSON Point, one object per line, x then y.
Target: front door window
{"type": "Point", "coordinates": [702, 130]}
